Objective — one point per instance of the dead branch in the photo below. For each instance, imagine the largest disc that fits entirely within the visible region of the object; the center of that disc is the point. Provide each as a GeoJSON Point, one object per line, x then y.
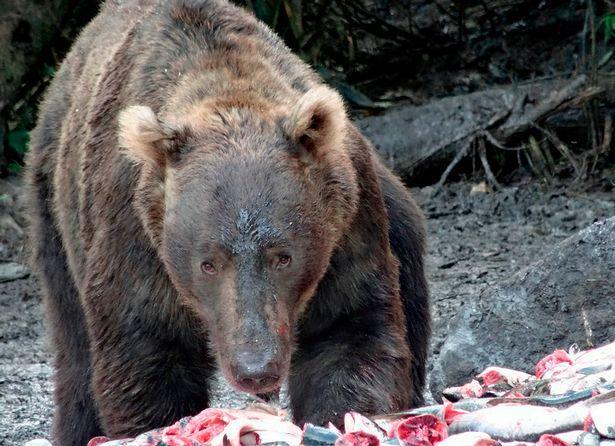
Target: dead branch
{"type": "Point", "coordinates": [482, 153]}
{"type": "Point", "coordinates": [413, 138]}
{"type": "Point", "coordinates": [458, 157]}
{"type": "Point", "coordinates": [562, 148]}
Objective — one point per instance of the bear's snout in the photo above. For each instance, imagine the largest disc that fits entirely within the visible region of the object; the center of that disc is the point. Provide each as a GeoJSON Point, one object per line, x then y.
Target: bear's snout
{"type": "Point", "coordinates": [257, 371]}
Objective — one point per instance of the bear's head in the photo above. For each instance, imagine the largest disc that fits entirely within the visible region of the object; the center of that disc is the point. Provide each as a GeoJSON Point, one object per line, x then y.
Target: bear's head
{"type": "Point", "coordinates": [245, 202]}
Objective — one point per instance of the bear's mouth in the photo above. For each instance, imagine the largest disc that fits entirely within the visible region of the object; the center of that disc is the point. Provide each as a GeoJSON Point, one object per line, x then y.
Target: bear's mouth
{"type": "Point", "coordinates": [272, 398]}
{"type": "Point", "coordinates": [264, 386]}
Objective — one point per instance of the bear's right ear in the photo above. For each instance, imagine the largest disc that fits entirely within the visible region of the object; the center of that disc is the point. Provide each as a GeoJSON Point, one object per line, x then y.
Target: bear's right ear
{"type": "Point", "coordinates": [317, 123]}
{"type": "Point", "coordinates": [144, 138]}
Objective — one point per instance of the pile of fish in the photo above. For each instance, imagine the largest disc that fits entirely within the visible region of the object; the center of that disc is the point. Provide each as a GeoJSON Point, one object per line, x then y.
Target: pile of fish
{"type": "Point", "coordinates": [570, 400]}
{"type": "Point", "coordinates": [219, 427]}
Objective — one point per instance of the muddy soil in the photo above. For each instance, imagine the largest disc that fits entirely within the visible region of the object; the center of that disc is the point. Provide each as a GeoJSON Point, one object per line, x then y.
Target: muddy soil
{"type": "Point", "coordinates": [475, 240]}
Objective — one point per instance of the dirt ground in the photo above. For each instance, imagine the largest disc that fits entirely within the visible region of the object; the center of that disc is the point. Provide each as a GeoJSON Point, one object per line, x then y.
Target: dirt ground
{"type": "Point", "coordinates": [474, 240]}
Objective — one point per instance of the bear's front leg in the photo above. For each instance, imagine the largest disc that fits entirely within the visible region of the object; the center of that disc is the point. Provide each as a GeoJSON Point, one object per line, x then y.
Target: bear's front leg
{"type": "Point", "coordinates": [346, 370]}
{"type": "Point", "coordinates": [151, 364]}
{"type": "Point", "coordinates": [140, 386]}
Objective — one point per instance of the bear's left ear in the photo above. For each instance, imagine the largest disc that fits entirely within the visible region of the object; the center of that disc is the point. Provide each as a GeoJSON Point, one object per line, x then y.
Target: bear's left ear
{"type": "Point", "coordinates": [145, 138]}
{"type": "Point", "coordinates": [317, 123]}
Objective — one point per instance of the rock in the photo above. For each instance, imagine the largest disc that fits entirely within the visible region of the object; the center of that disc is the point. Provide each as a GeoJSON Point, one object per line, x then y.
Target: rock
{"type": "Point", "coordinates": [12, 271]}
{"type": "Point", "coordinates": [8, 224]}
{"type": "Point", "coordinates": [480, 188]}
{"type": "Point", "coordinates": [566, 297]}
{"type": "Point", "coordinates": [11, 219]}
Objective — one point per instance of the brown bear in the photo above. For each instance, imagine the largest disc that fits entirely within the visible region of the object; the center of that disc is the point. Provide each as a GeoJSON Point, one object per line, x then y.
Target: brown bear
{"type": "Point", "coordinates": [200, 200]}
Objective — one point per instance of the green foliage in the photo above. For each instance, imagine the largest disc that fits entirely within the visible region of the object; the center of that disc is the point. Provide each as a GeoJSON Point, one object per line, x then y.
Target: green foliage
{"type": "Point", "coordinates": [49, 71]}
{"type": "Point", "coordinates": [281, 15]}
{"type": "Point", "coordinates": [294, 12]}
{"type": "Point", "coordinates": [607, 23]}
{"type": "Point", "coordinates": [266, 10]}
{"type": "Point", "coordinates": [18, 140]}
{"type": "Point", "coordinates": [37, 35]}
{"type": "Point", "coordinates": [14, 167]}
{"type": "Point", "coordinates": [17, 137]}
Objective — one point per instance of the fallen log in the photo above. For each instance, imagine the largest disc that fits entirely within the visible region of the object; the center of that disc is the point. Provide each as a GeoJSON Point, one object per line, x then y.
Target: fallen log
{"type": "Point", "coordinates": [412, 138]}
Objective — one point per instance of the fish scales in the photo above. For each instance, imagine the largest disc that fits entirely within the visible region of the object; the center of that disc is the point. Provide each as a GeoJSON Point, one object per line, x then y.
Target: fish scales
{"type": "Point", "coordinates": [520, 423]}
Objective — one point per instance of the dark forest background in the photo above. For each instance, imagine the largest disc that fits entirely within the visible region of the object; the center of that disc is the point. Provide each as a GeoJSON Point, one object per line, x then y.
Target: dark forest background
{"type": "Point", "coordinates": [391, 55]}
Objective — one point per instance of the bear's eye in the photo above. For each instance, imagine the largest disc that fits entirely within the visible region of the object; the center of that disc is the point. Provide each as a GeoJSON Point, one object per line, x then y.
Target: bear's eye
{"type": "Point", "coordinates": [208, 268]}
{"type": "Point", "coordinates": [282, 261]}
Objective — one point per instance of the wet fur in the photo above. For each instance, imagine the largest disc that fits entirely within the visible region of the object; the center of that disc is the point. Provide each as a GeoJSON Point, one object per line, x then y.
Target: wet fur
{"type": "Point", "coordinates": [130, 355]}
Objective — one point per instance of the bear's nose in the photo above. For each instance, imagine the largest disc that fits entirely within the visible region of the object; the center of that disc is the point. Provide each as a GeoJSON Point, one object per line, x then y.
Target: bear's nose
{"type": "Point", "coordinates": [256, 371]}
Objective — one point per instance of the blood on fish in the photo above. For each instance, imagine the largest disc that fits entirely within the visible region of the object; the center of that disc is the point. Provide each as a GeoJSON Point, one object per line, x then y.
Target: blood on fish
{"type": "Point", "coordinates": [357, 439]}
{"type": "Point", "coordinates": [514, 394]}
{"type": "Point", "coordinates": [501, 375]}
{"type": "Point", "coordinates": [202, 427]}
{"type": "Point", "coordinates": [177, 441]}
{"type": "Point", "coordinates": [421, 430]}
{"type": "Point", "coordinates": [551, 440]}
{"type": "Point", "coordinates": [491, 377]}
{"type": "Point", "coordinates": [551, 361]}
{"type": "Point", "coordinates": [473, 389]}
{"type": "Point", "coordinates": [449, 413]}
{"type": "Point", "coordinates": [355, 422]}
{"type": "Point", "coordinates": [217, 427]}
{"type": "Point", "coordinates": [588, 423]}
{"type": "Point", "coordinates": [98, 440]}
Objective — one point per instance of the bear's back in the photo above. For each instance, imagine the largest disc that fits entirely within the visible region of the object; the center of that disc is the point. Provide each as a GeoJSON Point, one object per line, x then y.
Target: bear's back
{"type": "Point", "coordinates": [64, 129]}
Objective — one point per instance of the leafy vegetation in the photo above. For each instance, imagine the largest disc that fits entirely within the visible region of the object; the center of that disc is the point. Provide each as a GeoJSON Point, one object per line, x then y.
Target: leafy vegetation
{"type": "Point", "coordinates": [608, 26]}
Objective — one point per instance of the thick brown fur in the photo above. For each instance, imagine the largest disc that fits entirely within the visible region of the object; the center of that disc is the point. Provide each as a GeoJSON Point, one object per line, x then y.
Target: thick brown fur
{"type": "Point", "coordinates": [182, 157]}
